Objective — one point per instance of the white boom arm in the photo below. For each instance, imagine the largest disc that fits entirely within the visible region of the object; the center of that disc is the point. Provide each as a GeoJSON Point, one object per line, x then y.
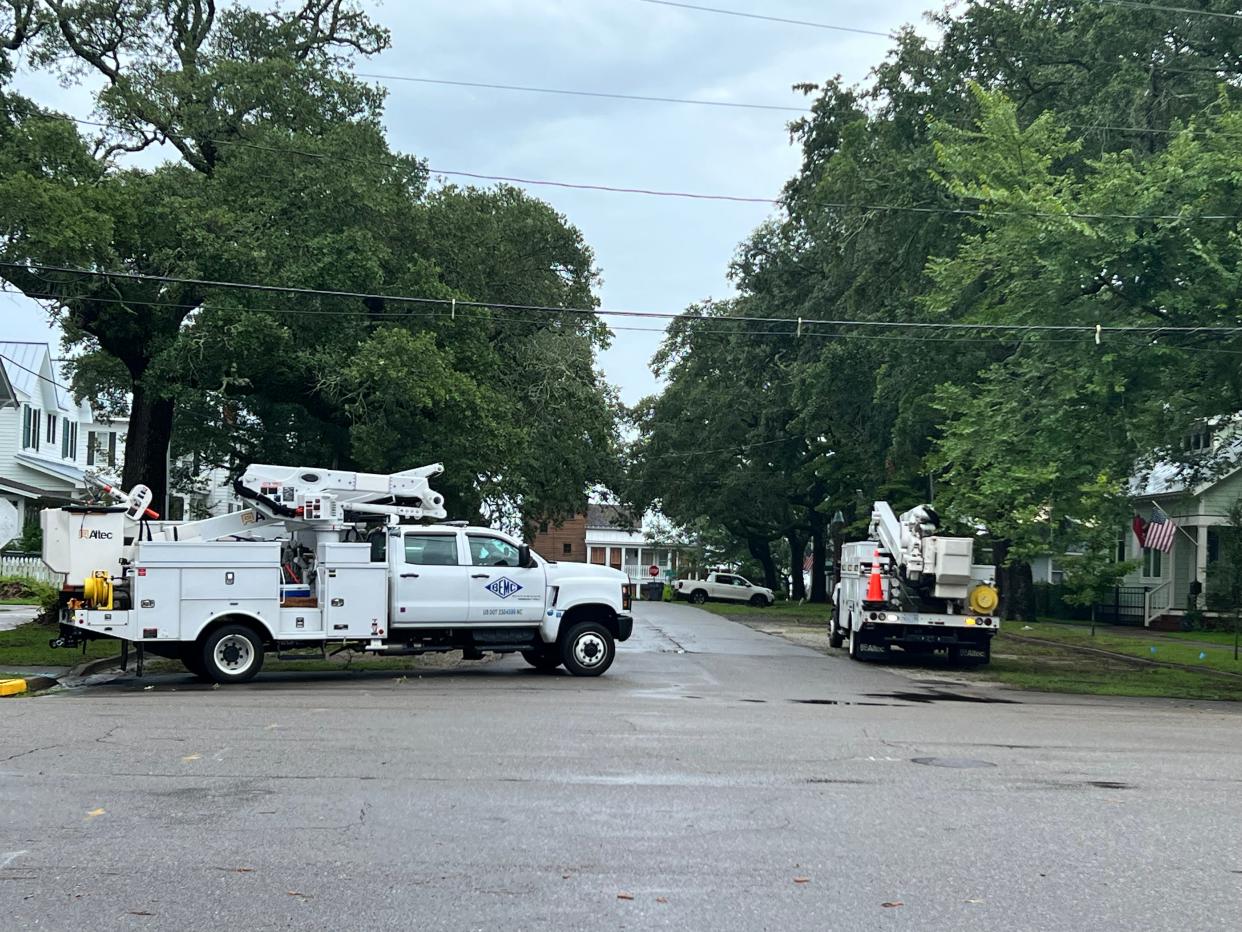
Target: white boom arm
{"type": "Point", "coordinates": [295, 496]}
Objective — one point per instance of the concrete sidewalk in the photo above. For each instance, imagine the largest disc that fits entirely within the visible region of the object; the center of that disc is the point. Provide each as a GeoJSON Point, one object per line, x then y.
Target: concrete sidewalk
{"type": "Point", "coordinates": [13, 615]}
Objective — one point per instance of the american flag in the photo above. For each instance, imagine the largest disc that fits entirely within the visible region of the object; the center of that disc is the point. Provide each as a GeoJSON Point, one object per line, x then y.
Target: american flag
{"type": "Point", "coordinates": [1160, 532]}
{"type": "Point", "coordinates": [808, 563]}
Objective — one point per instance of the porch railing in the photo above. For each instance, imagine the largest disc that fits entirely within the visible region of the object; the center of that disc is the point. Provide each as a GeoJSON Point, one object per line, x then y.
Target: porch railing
{"type": "Point", "coordinates": [1156, 602]}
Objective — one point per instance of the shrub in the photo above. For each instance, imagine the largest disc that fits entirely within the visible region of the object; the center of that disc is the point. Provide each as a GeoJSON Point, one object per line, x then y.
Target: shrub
{"type": "Point", "coordinates": [34, 591]}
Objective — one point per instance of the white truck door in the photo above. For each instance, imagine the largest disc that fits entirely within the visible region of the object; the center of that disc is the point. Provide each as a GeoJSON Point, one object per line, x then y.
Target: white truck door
{"type": "Point", "coordinates": [721, 587]}
{"type": "Point", "coordinates": [431, 580]}
{"type": "Point", "coordinates": [501, 592]}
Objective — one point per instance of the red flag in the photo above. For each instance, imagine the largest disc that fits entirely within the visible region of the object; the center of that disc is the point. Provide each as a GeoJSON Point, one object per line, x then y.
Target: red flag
{"type": "Point", "coordinates": [1140, 530]}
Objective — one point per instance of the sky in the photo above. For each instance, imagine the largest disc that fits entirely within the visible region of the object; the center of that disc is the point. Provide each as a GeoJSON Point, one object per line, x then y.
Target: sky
{"type": "Point", "coordinates": [654, 253]}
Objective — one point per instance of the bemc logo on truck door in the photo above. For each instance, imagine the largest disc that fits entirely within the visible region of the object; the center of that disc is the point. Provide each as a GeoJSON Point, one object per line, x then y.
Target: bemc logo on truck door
{"type": "Point", "coordinates": [504, 587]}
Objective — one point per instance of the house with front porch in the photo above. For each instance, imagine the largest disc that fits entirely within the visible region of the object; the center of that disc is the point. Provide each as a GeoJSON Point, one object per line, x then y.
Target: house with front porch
{"type": "Point", "coordinates": [46, 437]}
{"type": "Point", "coordinates": [1199, 508]}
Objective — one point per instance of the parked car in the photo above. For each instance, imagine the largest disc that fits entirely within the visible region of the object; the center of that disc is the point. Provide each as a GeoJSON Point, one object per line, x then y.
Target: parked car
{"type": "Point", "coordinates": [723, 587]}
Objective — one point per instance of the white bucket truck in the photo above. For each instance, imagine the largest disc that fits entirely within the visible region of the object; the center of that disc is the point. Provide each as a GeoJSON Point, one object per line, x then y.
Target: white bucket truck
{"type": "Point", "coordinates": [910, 588]}
{"type": "Point", "coordinates": [322, 561]}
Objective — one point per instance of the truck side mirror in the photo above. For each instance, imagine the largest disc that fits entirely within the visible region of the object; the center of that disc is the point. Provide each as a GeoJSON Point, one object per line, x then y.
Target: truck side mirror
{"type": "Point", "coordinates": [525, 560]}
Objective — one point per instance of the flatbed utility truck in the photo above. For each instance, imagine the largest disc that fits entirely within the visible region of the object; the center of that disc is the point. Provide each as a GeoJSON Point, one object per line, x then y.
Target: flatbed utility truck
{"type": "Point", "coordinates": [909, 588]}
{"type": "Point", "coordinates": [324, 560]}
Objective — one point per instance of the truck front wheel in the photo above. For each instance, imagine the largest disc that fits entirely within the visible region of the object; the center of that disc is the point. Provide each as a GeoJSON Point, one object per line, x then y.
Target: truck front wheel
{"type": "Point", "coordinates": [232, 654]}
{"type": "Point", "coordinates": [588, 649]}
{"type": "Point", "coordinates": [545, 660]}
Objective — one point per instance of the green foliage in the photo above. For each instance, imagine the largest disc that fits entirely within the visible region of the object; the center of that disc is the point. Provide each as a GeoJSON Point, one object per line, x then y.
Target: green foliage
{"type": "Point", "coordinates": [28, 590]}
{"type": "Point", "coordinates": [1040, 162]}
{"type": "Point", "coordinates": [284, 177]}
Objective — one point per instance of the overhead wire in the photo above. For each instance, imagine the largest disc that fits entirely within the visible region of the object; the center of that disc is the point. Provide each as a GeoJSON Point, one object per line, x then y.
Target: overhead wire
{"type": "Point", "coordinates": [833, 205]}
{"type": "Point", "coordinates": [771, 19]}
{"type": "Point", "coordinates": [1191, 11]}
{"type": "Point", "coordinates": [571, 92]}
{"type": "Point", "coordinates": [790, 322]}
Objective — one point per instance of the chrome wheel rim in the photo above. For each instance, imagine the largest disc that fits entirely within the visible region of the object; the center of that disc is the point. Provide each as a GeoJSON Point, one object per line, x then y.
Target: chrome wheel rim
{"type": "Point", "coordinates": [590, 650]}
{"type": "Point", "coordinates": [234, 654]}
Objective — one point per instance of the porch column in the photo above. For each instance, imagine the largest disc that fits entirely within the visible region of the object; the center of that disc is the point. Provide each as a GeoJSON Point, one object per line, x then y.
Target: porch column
{"type": "Point", "coordinates": [1201, 552]}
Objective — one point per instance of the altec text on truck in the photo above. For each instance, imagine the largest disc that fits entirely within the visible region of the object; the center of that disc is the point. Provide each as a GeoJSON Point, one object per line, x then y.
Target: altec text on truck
{"type": "Point", "coordinates": [910, 589]}
{"type": "Point", "coordinates": [323, 561]}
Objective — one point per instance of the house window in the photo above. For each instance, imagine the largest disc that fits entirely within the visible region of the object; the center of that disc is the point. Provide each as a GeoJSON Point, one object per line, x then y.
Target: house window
{"type": "Point", "coordinates": [100, 447]}
{"type": "Point", "coordinates": [567, 549]}
{"type": "Point", "coordinates": [51, 428]}
{"type": "Point", "coordinates": [1153, 564]}
{"type": "Point", "coordinates": [1120, 553]}
{"type": "Point", "coordinates": [66, 439]}
{"type": "Point", "coordinates": [31, 424]}
{"type": "Point", "coordinates": [25, 427]}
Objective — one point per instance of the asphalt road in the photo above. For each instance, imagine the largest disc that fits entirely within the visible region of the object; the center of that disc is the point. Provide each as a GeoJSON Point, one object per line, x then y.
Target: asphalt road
{"type": "Point", "coordinates": [716, 778]}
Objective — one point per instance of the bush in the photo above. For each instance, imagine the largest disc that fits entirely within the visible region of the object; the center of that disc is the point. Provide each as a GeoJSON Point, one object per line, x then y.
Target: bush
{"type": "Point", "coordinates": [34, 591]}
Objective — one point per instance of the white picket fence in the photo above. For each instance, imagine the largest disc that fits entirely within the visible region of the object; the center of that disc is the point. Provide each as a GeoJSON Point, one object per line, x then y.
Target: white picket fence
{"type": "Point", "coordinates": [29, 565]}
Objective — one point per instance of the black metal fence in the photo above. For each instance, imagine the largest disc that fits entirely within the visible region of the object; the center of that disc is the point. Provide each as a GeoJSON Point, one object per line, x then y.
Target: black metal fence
{"type": "Point", "coordinates": [1124, 605]}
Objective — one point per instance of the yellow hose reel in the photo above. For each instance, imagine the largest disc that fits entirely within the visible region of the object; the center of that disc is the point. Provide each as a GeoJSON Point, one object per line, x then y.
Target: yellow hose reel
{"type": "Point", "coordinates": [984, 599]}
{"type": "Point", "coordinates": [97, 591]}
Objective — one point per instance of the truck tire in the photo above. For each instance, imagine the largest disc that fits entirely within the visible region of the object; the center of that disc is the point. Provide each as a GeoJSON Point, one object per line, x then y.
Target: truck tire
{"type": "Point", "coordinates": [545, 660]}
{"type": "Point", "coordinates": [588, 649]}
{"type": "Point", "coordinates": [232, 654]}
{"type": "Point", "coordinates": [759, 601]}
{"type": "Point", "coordinates": [835, 636]}
{"type": "Point", "coordinates": [192, 660]}
{"type": "Point", "coordinates": [854, 643]}
{"type": "Point", "coordinates": [698, 596]}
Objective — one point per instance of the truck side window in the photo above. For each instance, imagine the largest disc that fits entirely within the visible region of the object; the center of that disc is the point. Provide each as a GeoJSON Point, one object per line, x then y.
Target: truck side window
{"type": "Point", "coordinates": [492, 551]}
{"type": "Point", "coordinates": [431, 549]}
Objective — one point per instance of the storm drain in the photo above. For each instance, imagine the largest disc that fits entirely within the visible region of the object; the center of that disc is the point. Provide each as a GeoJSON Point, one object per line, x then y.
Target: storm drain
{"type": "Point", "coordinates": [953, 763]}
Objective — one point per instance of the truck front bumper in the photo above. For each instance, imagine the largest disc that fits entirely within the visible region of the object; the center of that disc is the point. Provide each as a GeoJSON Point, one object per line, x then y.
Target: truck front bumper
{"type": "Point", "coordinates": [625, 626]}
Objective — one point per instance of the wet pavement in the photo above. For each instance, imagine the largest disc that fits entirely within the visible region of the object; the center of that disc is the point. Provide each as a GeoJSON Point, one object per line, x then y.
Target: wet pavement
{"type": "Point", "coordinates": [716, 778]}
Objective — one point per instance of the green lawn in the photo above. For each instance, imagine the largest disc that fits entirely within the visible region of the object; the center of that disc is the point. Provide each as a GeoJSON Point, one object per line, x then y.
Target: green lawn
{"type": "Point", "coordinates": [26, 646]}
{"type": "Point", "coordinates": [1051, 668]}
{"type": "Point", "coordinates": [1217, 654]}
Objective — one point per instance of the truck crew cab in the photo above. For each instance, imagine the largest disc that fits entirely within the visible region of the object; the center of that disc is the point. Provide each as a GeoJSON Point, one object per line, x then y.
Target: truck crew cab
{"type": "Point", "coordinates": [322, 561]}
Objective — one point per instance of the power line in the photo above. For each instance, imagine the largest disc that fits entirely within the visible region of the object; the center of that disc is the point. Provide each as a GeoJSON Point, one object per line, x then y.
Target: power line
{"type": "Point", "coordinates": [833, 205]}
{"type": "Point", "coordinates": [1136, 5]}
{"type": "Point", "coordinates": [579, 93]}
{"type": "Point", "coordinates": [14, 362]}
{"type": "Point", "coordinates": [603, 312]}
{"type": "Point", "coordinates": [770, 19]}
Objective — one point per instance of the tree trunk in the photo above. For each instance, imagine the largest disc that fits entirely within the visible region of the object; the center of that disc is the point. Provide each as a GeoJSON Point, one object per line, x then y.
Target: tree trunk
{"type": "Point", "coordinates": [797, 586]}
{"type": "Point", "coordinates": [819, 529]}
{"type": "Point", "coordinates": [1016, 583]}
{"type": "Point", "coordinates": [146, 445]}
{"type": "Point", "coordinates": [761, 549]}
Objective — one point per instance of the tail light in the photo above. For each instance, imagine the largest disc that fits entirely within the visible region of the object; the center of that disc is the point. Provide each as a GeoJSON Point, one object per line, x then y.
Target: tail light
{"type": "Point", "coordinates": [627, 596]}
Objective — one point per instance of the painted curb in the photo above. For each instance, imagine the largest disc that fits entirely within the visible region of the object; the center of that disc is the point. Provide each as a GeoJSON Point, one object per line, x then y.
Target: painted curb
{"type": "Point", "coordinates": [19, 686]}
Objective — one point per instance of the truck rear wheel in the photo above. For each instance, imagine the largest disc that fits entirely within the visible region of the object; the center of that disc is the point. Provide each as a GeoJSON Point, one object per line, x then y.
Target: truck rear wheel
{"type": "Point", "coordinates": [835, 637]}
{"type": "Point", "coordinates": [698, 596]}
{"type": "Point", "coordinates": [192, 660]}
{"type": "Point", "coordinates": [855, 646]}
{"type": "Point", "coordinates": [588, 649]}
{"type": "Point", "coordinates": [232, 654]}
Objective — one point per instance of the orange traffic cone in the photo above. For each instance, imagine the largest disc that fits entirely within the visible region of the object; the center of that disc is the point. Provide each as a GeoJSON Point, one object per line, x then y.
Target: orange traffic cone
{"type": "Point", "coordinates": [875, 585]}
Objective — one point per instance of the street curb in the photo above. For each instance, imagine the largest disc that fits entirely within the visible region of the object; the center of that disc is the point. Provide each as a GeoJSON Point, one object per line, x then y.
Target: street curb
{"type": "Point", "coordinates": [19, 686]}
{"type": "Point", "coordinates": [91, 667]}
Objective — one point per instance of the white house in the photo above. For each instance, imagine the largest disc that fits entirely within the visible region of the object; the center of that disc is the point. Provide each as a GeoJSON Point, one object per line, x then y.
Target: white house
{"type": "Point", "coordinates": [48, 441]}
{"type": "Point", "coordinates": [1199, 509]}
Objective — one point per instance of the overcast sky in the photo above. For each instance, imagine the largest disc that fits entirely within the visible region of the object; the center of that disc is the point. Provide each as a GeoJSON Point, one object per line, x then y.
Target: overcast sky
{"type": "Point", "coordinates": [656, 254]}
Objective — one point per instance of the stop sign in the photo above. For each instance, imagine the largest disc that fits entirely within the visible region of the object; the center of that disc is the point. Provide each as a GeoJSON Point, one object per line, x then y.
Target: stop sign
{"type": "Point", "coordinates": [653, 570]}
